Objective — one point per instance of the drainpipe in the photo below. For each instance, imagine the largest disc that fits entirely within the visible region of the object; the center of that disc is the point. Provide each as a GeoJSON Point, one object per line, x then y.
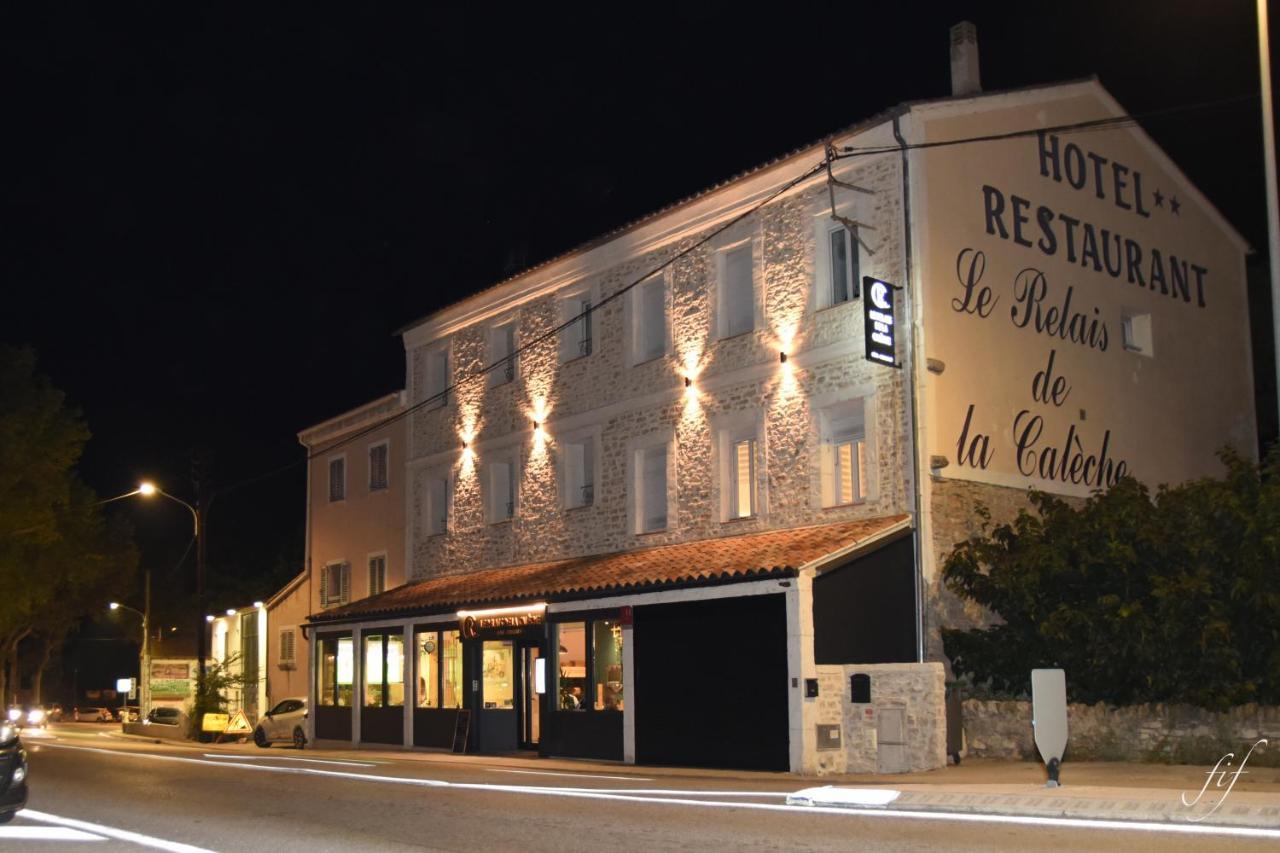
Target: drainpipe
{"type": "Point", "coordinates": [909, 292]}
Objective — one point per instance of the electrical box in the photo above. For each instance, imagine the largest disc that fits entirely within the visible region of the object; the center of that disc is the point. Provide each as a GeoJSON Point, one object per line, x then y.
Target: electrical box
{"type": "Point", "coordinates": [828, 736]}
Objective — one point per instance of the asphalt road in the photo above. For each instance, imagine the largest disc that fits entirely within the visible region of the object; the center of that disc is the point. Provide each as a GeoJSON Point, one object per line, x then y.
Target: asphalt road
{"type": "Point", "coordinates": [285, 800]}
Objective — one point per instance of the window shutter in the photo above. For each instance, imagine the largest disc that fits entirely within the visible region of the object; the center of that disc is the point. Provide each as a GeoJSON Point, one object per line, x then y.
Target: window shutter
{"type": "Point", "coordinates": [345, 571]}
{"type": "Point", "coordinates": [324, 586]}
{"type": "Point", "coordinates": [585, 322]}
{"type": "Point", "coordinates": [654, 490]}
{"type": "Point", "coordinates": [653, 327]}
{"type": "Point", "coordinates": [839, 265]}
{"type": "Point", "coordinates": [738, 299]}
{"type": "Point", "coordinates": [511, 490]}
{"type": "Point", "coordinates": [743, 462]}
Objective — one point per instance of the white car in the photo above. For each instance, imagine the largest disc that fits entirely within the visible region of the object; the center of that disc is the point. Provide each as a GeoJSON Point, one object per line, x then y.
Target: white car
{"type": "Point", "coordinates": [285, 723]}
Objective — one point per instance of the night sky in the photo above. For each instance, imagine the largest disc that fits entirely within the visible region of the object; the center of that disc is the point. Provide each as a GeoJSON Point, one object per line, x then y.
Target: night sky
{"type": "Point", "coordinates": [215, 221]}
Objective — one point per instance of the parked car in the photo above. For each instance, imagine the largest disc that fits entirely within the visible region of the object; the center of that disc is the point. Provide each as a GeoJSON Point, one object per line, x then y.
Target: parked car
{"type": "Point", "coordinates": [55, 713]}
{"type": "Point", "coordinates": [285, 723]}
{"type": "Point", "coordinates": [93, 714]}
{"type": "Point", "coordinates": [129, 714]}
{"type": "Point", "coordinates": [164, 716]}
{"type": "Point", "coordinates": [13, 772]}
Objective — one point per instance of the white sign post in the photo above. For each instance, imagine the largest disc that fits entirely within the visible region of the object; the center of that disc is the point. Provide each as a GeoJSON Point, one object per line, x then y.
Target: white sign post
{"type": "Point", "coordinates": [1049, 718]}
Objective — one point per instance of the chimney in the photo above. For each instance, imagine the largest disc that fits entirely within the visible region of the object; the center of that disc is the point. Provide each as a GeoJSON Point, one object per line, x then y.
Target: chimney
{"type": "Point", "coordinates": [965, 79]}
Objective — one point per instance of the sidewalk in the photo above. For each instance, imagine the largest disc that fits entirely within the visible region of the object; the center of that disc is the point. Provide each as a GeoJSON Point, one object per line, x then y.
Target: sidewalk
{"type": "Point", "coordinates": [1114, 791]}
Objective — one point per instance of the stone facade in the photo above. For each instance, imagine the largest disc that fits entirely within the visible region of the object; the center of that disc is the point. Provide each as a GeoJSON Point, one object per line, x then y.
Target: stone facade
{"type": "Point", "coordinates": [1176, 734]}
{"type": "Point", "coordinates": [620, 403]}
{"type": "Point", "coordinates": [918, 691]}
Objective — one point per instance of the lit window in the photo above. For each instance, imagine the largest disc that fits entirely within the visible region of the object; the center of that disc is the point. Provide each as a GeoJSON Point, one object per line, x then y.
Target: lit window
{"type": "Point", "coordinates": [337, 479]}
{"type": "Point", "coordinates": [1135, 332]}
{"type": "Point", "coordinates": [437, 505]}
{"type": "Point", "coordinates": [742, 478]}
{"type": "Point", "coordinates": [737, 292]}
{"type": "Point", "coordinates": [439, 669]}
{"type": "Point", "coordinates": [649, 326]}
{"type": "Point", "coordinates": [502, 354]}
{"type": "Point", "coordinates": [842, 263]}
{"type": "Point", "coordinates": [334, 671]}
{"type": "Point", "coordinates": [845, 471]}
{"type": "Point", "coordinates": [378, 466]}
{"type": "Point", "coordinates": [579, 473]}
{"type": "Point", "coordinates": [383, 670]}
{"type": "Point", "coordinates": [575, 338]}
{"type": "Point", "coordinates": [437, 378]}
{"type": "Point", "coordinates": [377, 574]}
{"type": "Point", "coordinates": [651, 491]}
{"type": "Point", "coordinates": [589, 665]}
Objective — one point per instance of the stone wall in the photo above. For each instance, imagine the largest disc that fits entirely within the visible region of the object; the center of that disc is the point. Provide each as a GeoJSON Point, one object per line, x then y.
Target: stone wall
{"type": "Point", "coordinates": [1176, 734]}
{"type": "Point", "coordinates": [916, 688]}
{"type": "Point", "coordinates": [621, 403]}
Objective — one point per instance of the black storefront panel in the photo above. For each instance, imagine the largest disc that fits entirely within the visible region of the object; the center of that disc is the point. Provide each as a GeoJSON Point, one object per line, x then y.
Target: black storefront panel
{"type": "Point", "coordinates": [333, 722]}
{"type": "Point", "coordinates": [865, 610]}
{"type": "Point", "coordinates": [434, 727]}
{"type": "Point", "coordinates": [711, 683]}
{"type": "Point", "coordinates": [381, 725]}
{"type": "Point", "coordinates": [583, 734]}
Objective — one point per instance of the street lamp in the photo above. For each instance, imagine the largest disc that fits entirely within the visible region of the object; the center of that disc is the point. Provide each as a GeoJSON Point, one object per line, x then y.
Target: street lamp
{"type": "Point", "coordinates": [148, 489]}
{"type": "Point", "coordinates": [144, 671]}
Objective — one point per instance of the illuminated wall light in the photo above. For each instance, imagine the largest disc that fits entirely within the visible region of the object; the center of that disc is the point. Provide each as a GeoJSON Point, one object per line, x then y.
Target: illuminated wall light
{"type": "Point", "coordinates": [208, 618]}
{"type": "Point", "coordinates": [782, 357]}
{"type": "Point", "coordinates": [688, 382]}
{"type": "Point", "coordinates": [231, 612]}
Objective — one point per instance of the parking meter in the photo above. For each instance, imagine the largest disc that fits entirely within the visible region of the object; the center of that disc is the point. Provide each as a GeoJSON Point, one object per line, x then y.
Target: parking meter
{"type": "Point", "coordinates": [1049, 718]}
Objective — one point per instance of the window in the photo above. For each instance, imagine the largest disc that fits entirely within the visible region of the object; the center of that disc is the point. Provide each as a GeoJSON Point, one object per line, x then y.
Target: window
{"type": "Point", "coordinates": [737, 292]}
{"type": "Point", "coordinates": [842, 265]}
{"type": "Point", "coordinates": [502, 491]}
{"type": "Point", "coordinates": [436, 504]}
{"type": "Point", "coordinates": [337, 479]}
{"type": "Point", "coordinates": [649, 320]}
{"type": "Point", "coordinates": [579, 473]}
{"type": "Point", "coordinates": [439, 655]}
{"type": "Point", "coordinates": [845, 471]}
{"type": "Point", "coordinates": [651, 490]}
{"type": "Point", "coordinates": [498, 672]}
{"type": "Point", "coordinates": [377, 574]}
{"type": "Point", "coordinates": [1135, 332]}
{"type": "Point", "coordinates": [742, 478]}
{"type": "Point", "coordinates": [502, 353]}
{"type": "Point", "coordinates": [575, 338]}
{"type": "Point", "coordinates": [437, 378]}
{"type": "Point", "coordinates": [738, 456]}
{"type": "Point", "coordinates": [378, 466]}
{"type": "Point", "coordinates": [335, 584]}
{"type": "Point", "coordinates": [383, 670]}
{"type": "Point", "coordinates": [334, 671]}
{"type": "Point", "coordinates": [287, 648]}
{"type": "Point", "coordinates": [589, 665]}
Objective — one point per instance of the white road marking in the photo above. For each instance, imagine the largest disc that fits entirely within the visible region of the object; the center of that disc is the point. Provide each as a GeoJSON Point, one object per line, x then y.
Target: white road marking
{"type": "Point", "coordinates": [46, 833]}
{"type": "Point", "coordinates": [574, 775]}
{"type": "Point", "coordinates": [624, 795]}
{"type": "Point", "coordinates": [111, 832]}
{"type": "Point", "coordinates": [831, 795]}
{"type": "Point", "coordinates": [288, 758]}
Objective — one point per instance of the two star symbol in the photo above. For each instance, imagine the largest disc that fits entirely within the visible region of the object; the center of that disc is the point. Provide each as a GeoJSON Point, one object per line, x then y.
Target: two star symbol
{"type": "Point", "coordinates": [1174, 204]}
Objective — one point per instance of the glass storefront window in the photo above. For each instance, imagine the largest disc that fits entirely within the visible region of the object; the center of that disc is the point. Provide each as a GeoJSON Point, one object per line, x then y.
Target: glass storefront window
{"type": "Point", "coordinates": [327, 672]}
{"type": "Point", "coordinates": [452, 669]}
{"type": "Point", "coordinates": [428, 644]}
{"type": "Point", "coordinates": [346, 671]}
{"type": "Point", "coordinates": [607, 664]}
{"type": "Point", "coordinates": [498, 672]}
{"type": "Point", "coordinates": [572, 665]}
{"type": "Point", "coordinates": [373, 669]}
{"type": "Point", "coordinates": [395, 671]}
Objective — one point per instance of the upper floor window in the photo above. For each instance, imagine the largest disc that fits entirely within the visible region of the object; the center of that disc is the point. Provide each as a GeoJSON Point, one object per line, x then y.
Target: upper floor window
{"type": "Point", "coordinates": [377, 574]}
{"type": "Point", "coordinates": [378, 466]}
{"type": "Point", "coordinates": [1135, 332]}
{"type": "Point", "coordinates": [502, 354]}
{"type": "Point", "coordinates": [579, 472]}
{"type": "Point", "coordinates": [502, 490]}
{"type": "Point", "coordinates": [739, 450]}
{"type": "Point", "coordinates": [843, 279]}
{"type": "Point", "coordinates": [575, 338]}
{"type": "Point", "coordinates": [436, 504]}
{"type": "Point", "coordinates": [335, 584]}
{"type": "Point", "coordinates": [649, 320]}
{"type": "Point", "coordinates": [651, 488]}
{"type": "Point", "coordinates": [437, 378]}
{"type": "Point", "coordinates": [737, 303]}
{"type": "Point", "coordinates": [845, 469]}
{"type": "Point", "coordinates": [337, 479]}
{"type": "Point", "coordinates": [288, 647]}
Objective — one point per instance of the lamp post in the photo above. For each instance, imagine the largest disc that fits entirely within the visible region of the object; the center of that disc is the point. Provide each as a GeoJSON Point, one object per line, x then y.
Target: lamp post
{"type": "Point", "coordinates": [144, 671]}
{"type": "Point", "coordinates": [148, 489]}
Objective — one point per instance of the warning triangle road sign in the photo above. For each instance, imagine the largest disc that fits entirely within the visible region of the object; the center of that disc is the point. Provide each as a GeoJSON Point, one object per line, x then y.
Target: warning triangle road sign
{"type": "Point", "coordinates": [239, 725]}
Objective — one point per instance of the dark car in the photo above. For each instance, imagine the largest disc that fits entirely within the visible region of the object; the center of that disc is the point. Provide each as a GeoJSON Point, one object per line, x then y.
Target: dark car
{"type": "Point", "coordinates": [13, 772]}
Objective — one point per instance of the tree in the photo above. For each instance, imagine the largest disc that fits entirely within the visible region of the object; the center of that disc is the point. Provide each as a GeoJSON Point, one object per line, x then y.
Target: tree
{"type": "Point", "coordinates": [221, 680]}
{"type": "Point", "coordinates": [1168, 597]}
{"type": "Point", "coordinates": [59, 559]}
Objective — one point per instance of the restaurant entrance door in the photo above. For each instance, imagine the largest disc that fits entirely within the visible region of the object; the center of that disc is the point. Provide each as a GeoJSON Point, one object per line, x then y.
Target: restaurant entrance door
{"type": "Point", "coordinates": [531, 665]}
{"type": "Point", "coordinates": [497, 727]}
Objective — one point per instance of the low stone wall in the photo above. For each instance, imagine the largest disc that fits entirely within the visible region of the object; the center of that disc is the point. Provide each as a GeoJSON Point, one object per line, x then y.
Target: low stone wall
{"type": "Point", "coordinates": [916, 690]}
{"type": "Point", "coordinates": [1173, 734]}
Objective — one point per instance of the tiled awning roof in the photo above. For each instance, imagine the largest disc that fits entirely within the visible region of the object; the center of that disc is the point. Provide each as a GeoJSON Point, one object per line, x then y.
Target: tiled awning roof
{"type": "Point", "coordinates": [777, 553]}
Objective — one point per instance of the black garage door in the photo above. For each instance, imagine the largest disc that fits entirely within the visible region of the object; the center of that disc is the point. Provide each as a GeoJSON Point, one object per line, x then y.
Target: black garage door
{"type": "Point", "coordinates": [711, 683]}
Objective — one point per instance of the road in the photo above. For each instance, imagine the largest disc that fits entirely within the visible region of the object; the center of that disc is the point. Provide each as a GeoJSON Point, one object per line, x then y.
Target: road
{"type": "Point", "coordinates": [286, 800]}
